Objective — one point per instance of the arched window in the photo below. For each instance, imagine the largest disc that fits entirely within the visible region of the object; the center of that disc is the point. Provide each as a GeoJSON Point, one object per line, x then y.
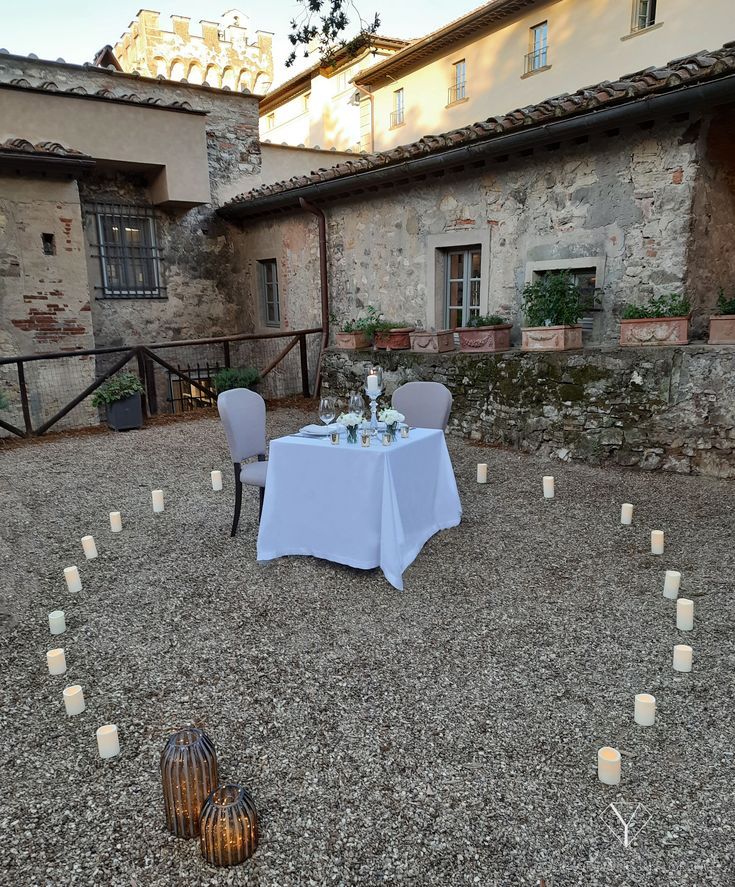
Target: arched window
{"type": "Point", "coordinates": [228, 78]}
{"type": "Point", "coordinates": [212, 76]}
{"type": "Point", "coordinates": [243, 81]}
{"type": "Point", "coordinates": [196, 74]}
{"type": "Point", "coordinates": [178, 72]}
{"type": "Point", "coordinates": [159, 65]}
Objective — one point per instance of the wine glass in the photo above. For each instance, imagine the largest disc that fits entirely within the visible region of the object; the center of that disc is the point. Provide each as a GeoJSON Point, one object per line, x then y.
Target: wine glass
{"type": "Point", "coordinates": [357, 405]}
{"type": "Point", "coordinates": [326, 410]}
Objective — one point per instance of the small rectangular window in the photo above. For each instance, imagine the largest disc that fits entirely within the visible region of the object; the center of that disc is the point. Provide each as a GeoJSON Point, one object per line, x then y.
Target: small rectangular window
{"type": "Point", "coordinates": [397, 117]}
{"type": "Point", "coordinates": [463, 276]}
{"type": "Point", "coordinates": [589, 294]}
{"type": "Point", "coordinates": [644, 14]}
{"type": "Point", "coordinates": [458, 89]}
{"type": "Point", "coordinates": [538, 57]}
{"type": "Point", "coordinates": [307, 97]}
{"type": "Point", "coordinates": [269, 296]}
{"type": "Point", "coordinates": [270, 121]}
{"type": "Point", "coordinates": [48, 243]}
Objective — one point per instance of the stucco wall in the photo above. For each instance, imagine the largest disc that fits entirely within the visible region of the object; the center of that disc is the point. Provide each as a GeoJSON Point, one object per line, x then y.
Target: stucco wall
{"type": "Point", "coordinates": [623, 200]}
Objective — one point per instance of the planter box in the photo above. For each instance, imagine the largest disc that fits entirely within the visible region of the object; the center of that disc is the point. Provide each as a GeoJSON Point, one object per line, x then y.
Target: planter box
{"type": "Point", "coordinates": [432, 342]}
{"type": "Point", "coordinates": [482, 339]}
{"type": "Point", "coordinates": [722, 330]}
{"type": "Point", "coordinates": [351, 341]}
{"type": "Point", "coordinates": [655, 331]}
{"type": "Point", "coordinates": [551, 338]}
{"type": "Point", "coordinates": [124, 415]}
{"type": "Point", "coordinates": [398, 339]}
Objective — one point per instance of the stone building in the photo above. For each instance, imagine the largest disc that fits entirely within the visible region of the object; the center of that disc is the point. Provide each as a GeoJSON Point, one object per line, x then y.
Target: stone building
{"type": "Point", "coordinates": [223, 55]}
{"type": "Point", "coordinates": [628, 183]}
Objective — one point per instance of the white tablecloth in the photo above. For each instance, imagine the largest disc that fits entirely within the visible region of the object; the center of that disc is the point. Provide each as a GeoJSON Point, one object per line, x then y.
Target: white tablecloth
{"type": "Point", "coordinates": [364, 507]}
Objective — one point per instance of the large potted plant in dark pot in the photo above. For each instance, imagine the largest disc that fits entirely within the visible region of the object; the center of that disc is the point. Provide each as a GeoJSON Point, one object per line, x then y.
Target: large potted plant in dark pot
{"type": "Point", "coordinates": [663, 320]}
{"type": "Point", "coordinates": [722, 325]}
{"type": "Point", "coordinates": [121, 396]}
{"type": "Point", "coordinates": [552, 306]}
{"type": "Point", "coordinates": [485, 333]}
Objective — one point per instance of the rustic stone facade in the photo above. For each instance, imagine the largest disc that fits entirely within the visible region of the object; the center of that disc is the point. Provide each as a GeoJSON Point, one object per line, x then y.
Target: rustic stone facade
{"type": "Point", "coordinates": [671, 409]}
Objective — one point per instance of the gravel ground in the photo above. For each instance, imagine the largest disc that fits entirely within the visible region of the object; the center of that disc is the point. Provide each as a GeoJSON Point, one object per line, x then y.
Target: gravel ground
{"type": "Point", "coordinates": [446, 735]}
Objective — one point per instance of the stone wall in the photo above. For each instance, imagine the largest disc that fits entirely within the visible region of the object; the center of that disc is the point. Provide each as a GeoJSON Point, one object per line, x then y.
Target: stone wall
{"type": "Point", "coordinates": [658, 408]}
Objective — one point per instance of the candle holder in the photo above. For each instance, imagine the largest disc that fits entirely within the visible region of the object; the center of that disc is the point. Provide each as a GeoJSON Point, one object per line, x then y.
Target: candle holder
{"type": "Point", "coordinates": [387, 439]}
{"type": "Point", "coordinates": [189, 774]}
{"type": "Point", "coordinates": [334, 437]}
{"type": "Point", "coordinates": [365, 437]}
{"type": "Point", "coordinates": [405, 430]}
{"type": "Point", "coordinates": [373, 389]}
{"type": "Point", "coordinates": [229, 826]}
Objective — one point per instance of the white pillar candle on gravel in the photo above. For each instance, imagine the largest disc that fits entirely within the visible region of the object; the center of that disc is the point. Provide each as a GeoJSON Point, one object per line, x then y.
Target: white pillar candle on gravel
{"type": "Point", "coordinates": [56, 622]}
{"type": "Point", "coordinates": [482, 473]}
{"type": "Point", "coordinates": [657, 541]}
{"type": "Point", "coordinates": [74, 700]}
{"type": "Point", "coordinates": [108, 742]}
{"type": "Point", "coordinates": [157, 498]}
{"type": "Point", "coordinates": [216, 480]}
{"type": "Point", "coordinates": [671, 584]}
{"type": "Point", "coordinates": [608, 765]}
{"type": "Point", "coordinates": [56, 661]}
{"type": "Point", "coordinates": [548, 487]}
{"type": "Point", "coordinates": [626, 514]}
{"type": "Point", "coordinates": [684, 614]}
{"type": "Point", "coordinates": [645, 709]}
{"type": "Point", "coordinates": [73, 582]}
{"type": "Point", "coordinates": [90, 549]}
{"type": "Point", "coordinates": [115, 521]}
{"type": "Point", "coordinates": [682, 657]}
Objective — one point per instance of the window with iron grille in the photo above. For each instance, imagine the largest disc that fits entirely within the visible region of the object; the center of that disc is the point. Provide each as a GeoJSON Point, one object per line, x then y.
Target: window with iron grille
{"type": "Point", "coordinates": [269, 296]}
{"type": "Point", "coordinates": [397, 116]}
{"type": "Point", "coordinates": [463, 275]}
{"type": "Point", "coordinates": [538, 57]}
{"type": "Point", "coordinates": [644, 14]}
{"type": "Point", "coordinates": [126, 246]}
{"type": "Point", "coordinates": [586, 280]}
{"type": "Point", "coordinates": [458, 90]}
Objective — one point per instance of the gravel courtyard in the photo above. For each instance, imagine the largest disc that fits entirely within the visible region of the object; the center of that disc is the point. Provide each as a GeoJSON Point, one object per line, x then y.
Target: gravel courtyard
{"type": "Point", "coordinates": [446, 735]}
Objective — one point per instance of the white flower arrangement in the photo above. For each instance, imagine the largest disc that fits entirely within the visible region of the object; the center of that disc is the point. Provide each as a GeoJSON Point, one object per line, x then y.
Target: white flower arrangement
{"type": "Point", "coordinates": [391, 416]}
{"type": "Point", "coordinates": [349, 420]}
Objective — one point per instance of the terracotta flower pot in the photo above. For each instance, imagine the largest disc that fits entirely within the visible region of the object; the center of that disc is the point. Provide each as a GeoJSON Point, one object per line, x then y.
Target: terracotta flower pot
{"type": "Point", "coordinates": [551, 338]}
{"type": "Point", "coordinates": [722, 329]}
{"type": "Point", "coordinates": [351, 341]}
{"type": "Point", "coordinates": [482, 339]}
{"type": "Point", "coordinates": [422, 340]}
{"type": "Point", "coordinates": [654, 331]}
{"type": "Point", "coordinates": [398, 339]}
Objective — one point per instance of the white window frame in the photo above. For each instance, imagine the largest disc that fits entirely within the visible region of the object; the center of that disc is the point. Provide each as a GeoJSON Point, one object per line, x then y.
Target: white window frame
{"type": "Point", "coordinates": [466, 280]}
{"type": "Point", "coordinates": [398, 115]}
{"type": "Point", "coordinates": [437, 245]}
{"type": "Point", "coordinates": [538, 55]}
{"type": "Point", "coordinates": [643, 11]}
{"type": "Point", "coordinates": [458, 89]}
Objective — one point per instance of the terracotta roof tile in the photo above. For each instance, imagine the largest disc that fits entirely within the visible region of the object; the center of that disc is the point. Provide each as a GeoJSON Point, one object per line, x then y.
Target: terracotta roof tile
{"type": "Point", "coordinates": [23, 146]}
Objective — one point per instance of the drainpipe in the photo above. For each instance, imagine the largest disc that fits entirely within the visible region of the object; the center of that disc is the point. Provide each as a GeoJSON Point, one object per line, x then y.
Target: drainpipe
{"type": "Point", "coordinates": [323, 282]}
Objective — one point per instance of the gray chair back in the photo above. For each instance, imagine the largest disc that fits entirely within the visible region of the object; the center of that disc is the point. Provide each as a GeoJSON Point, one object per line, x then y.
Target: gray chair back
{"type": "Point", "coordinates": [424, 404]}
{"type": "Point", "coordinates": [243, 415]}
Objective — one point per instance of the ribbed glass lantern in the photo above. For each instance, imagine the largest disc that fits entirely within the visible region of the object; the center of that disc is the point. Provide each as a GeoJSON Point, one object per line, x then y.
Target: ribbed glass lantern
{"type": "Point", "coordinates": [189, 774]}
{"type": "Point", "coordinates": [229, 826]}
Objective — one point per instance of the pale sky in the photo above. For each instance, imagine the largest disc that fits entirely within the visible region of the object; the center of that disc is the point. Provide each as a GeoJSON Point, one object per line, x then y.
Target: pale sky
{"type": "Point", "coordinates": [75, 29]}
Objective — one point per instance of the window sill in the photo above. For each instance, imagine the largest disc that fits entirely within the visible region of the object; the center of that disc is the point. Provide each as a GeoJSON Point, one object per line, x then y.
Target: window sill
{"type": "Point", "coordinates": [642, 31]}
{"type": "Point", "coordinates": [535, 72]}
{"type": "Point", "coordinates": [457, 102]}
{"type": "Point", "coordinates": [396, 126]}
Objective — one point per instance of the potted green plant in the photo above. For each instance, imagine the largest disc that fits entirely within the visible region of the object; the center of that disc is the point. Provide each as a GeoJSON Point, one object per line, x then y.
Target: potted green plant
{"type": "Point", "coordinates": [393, 335]}
{"type": "Point", "coordinates": [352, 335]}
{"type": "Point", "coordinates": [235, 377]}
{"type": "Point", "coordinates": [485, 333]}
{"type": "Point", "coordinates": [663, 320]}
{"type": "Point", "coordinates": [722, 326]}
{"type": "Point", "coordinates": [552, 306]}
{"type": "Point", "coordinates": [432, 341]}
{"type": "Point", "coordinates": [120, 394]}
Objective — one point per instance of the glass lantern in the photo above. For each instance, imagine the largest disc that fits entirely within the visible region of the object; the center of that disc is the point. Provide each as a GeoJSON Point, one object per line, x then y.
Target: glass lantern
{"type": "Point", "coordinates": [229, 826]}
{"type": "Point", "coordinates": [374, 381]}
{"type": "Point", "coordinates": [189, 774]}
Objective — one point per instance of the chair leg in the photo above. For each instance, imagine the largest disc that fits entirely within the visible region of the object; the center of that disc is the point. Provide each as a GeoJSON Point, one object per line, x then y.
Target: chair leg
{"type": "Point", "coordinates": [260, 506]}
{"type": "Point", "coordinates": [238, 499]}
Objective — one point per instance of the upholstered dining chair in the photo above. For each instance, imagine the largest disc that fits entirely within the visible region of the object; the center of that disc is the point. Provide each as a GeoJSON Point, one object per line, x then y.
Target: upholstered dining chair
{"type": "Point", "coordinates": [243, 415]}
{"type": "Point", "coordinates": [424, 404]}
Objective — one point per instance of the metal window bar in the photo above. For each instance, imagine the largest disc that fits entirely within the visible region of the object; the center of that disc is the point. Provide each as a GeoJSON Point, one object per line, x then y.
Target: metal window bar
{"type": "Point", "coordinates": [130, 260]}
{"type": "Point", "coordinates": [457, 92]}
{"type": "Point", "coordinates": [537, 59]}
{"type": "Point", "coordinates": [397, 117]}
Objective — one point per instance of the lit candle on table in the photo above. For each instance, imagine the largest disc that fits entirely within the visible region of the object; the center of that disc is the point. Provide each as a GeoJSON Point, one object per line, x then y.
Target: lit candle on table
{"type": "Point", "coordinates": [645, 709]}
{"type": "Point", "coordinates": [365, 436]}
{"type": "Point", "coordinates": [548, 487]}
{"type": "Point", "coordinates": [608, 765]}
{"type": "Point", "coordinates": [671, 584]}
{"type": "Point", "coordinates": [56, 661]}
{"type": "Point", "coordinates": [157, 498]}
{"type": "Point", "coordinates": [216, 480]}
{"type": "Point", "coordinates": [657, 541]}
{"type": "Point", "coordinates": [108, 742]}
{"type": "Point", "coordinates": [373, 386]}
{"type": "Point", "coordinates": [387, 439]}
{"type": "Point", "coordinates": [90, 549]}
{"type": "Point", "coordinates": [73, 582]}
{"type": "Point", "coordinates": [626, 514]}
{"type": "Point", "coordinates": [404, 430]}
{"type": "Point", "coordinates": [482, 473]}
{"type": "Point", "coordinates": [684, 614]}
{"type": "Point", "coordinates": [682, 657]}
{"type": "Point", "coordinates": [74, 700]}
{"type": "Point", "coordinates": [115, 522]}
{"type": "Point", "coordinates": [56, 622]}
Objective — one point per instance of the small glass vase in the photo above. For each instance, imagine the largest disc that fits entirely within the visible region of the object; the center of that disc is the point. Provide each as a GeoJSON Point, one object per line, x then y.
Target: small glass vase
{"type": "Point", "coordinates": [189, 773]}
{"type": "Point", "coordinates": [229, 826]}
{"type": "Point", "coordinates": [392, 429]}
{"type": "Point", "coordinates": [352, 433]}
